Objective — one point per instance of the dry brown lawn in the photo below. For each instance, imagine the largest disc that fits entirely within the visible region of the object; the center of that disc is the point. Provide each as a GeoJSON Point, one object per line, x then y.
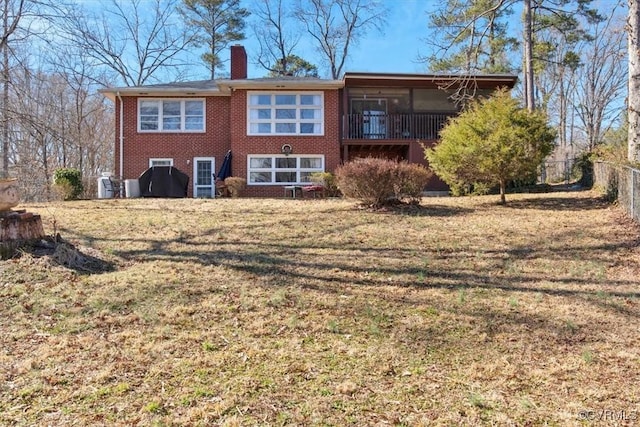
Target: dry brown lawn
{"type": "Point", "coordinates": [243, 312]}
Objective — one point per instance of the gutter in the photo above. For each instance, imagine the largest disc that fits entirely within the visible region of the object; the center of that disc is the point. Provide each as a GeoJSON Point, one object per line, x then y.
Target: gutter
{"type": "Point", "coordinates": [121, 137]}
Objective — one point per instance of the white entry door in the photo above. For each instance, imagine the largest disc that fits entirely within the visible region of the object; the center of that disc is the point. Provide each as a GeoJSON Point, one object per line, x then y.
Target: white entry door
{"type": "Point", "coordinates": [203, 177]}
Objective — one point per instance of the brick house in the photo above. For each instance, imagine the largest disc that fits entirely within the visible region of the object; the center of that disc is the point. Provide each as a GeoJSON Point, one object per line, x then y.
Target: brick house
{"type": "Point", "coordinates": [280, 130]}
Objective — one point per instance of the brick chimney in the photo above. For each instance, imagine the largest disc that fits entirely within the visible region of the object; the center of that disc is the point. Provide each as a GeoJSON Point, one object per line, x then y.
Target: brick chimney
{"type": "Point", "coordinates": [238, 62]}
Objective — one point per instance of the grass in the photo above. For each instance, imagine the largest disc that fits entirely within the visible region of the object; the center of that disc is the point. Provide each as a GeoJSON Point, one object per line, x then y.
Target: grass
{"type": "Point", "coordinates": [298, 312]}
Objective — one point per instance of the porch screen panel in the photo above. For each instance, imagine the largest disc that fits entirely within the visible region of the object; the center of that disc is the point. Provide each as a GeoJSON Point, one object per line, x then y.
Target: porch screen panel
{"type": "Point", "coordinates": [432, 100]}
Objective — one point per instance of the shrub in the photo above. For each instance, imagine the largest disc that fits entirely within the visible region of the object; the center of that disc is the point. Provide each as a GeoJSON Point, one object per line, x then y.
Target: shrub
{"type": "Point", "coordinates": [328, 180]}
{"type": "Point", "coordinates": [411, 179]}
{"type": "Point", "coordinates": [494, 141]}
{"type": "Point", "coordinates": [376, 182]}
{"type": "Point", "coordinates": [235, 185]}
{"type": "Point", "coordinates": [68, 183]}
{"type": "Point", "coordinates": [583, 167]}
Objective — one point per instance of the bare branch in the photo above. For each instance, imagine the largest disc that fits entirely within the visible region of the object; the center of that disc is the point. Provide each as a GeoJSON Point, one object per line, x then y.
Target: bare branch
{"type": "Point", "coordinates": [336, 25]}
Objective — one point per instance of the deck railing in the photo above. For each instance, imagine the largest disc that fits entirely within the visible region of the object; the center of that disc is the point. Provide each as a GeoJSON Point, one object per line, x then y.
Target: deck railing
{"type": "Point", "coordinates": [393, 126]}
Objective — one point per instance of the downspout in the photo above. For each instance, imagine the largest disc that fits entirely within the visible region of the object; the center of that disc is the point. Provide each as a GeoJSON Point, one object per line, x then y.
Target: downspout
{"type": "Point", "coordinates": [121, 137]}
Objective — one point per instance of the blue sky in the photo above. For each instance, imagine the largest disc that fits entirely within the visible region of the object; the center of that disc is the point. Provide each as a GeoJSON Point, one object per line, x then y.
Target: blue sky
{"type": "Point", "coordinates": [396, 50]}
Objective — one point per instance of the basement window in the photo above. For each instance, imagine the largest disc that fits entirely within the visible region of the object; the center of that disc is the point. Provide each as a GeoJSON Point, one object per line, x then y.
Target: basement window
{"type": "Point", "coordinates": [281, 169]}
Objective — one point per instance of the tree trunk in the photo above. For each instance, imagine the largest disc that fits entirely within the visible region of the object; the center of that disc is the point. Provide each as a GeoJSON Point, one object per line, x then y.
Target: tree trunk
{"type": "Point", "coordinates": [633, 107]}
{"type": "Point", "coordinates": [528, 57]}
{"type": "Point", "coordinates": [503, 190]}
{"type": "Point", "coordinates": [4, 171]}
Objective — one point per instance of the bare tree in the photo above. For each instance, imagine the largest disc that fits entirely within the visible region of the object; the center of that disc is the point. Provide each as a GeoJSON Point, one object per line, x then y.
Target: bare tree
{"type": "Point", "coordinates": [57, 122]}
{"type": "Point", "coordinates": [335, 25]}
{"type": "Point", "coordinates": [49, 118]}
{"type": "Point", "coordinates": [601, 79]}
{"type": "Point", "coordinates": [633, 102]}
{"type": "Point", "coordinates": [87, 126]}
{"type": "Point", "coordinates": [130, 39]}
{"type": "Point", "coordinates": [12, 13]}
{"type": "Point", "coordinates": [23, 21]}
{"type": "Point", "coordinates": [278, 36]}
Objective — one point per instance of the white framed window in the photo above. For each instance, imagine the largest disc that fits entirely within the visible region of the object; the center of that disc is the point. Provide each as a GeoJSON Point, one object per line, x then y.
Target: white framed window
{"type": "Point", "coordinates": [279, 169]}
{"type": "Point", "coordinates": [203, 177]}
{"type": "Point", "coordinates": [171, 115]}
{"type": "Point", "coordinates": [285, 113]}
{"type": "Point", "coordinates": [160, 162]}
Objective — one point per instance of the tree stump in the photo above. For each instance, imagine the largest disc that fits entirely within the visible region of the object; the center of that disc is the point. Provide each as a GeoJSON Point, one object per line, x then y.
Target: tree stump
{"type": "Point", "coordinates": [17, 228]}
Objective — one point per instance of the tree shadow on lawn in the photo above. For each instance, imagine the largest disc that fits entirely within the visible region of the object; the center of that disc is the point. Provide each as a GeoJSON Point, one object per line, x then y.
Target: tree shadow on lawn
{"type": "Point", "coordinates": [428, 210]}
{"type": "Point", "coordinates": [559, 204]}
{"type": "Point", "coordinates": [282, 260]}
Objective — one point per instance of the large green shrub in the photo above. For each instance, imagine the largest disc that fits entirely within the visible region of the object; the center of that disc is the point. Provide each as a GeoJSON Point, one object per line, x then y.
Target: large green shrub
{"type": "Point", "coordinates": [493, 142]}
{"type": "Point", "coordinates": [376, 182]}
{"type": "Point", "coordinates": [68, 182]}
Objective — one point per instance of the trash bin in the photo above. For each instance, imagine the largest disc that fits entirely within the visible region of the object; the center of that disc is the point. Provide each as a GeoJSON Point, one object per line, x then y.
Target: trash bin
{"type": "Point", "coordinates": [132, 188]}
{"type": "Point", "coordinates": [105, 188]}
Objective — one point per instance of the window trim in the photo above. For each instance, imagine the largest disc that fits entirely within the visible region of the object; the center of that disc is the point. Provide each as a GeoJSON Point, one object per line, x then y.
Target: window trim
{"type": "Point", "coordinates": [183, 115]}
{"type": "Point", "coordinates": [160, 159]}
{"type": "Point", "coordinates": [273, 107]}
{"type": "Point", "coordinates": [273, 168]}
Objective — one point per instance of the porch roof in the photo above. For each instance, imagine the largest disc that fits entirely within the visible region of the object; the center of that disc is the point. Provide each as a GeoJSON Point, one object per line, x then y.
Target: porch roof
{"type": "Point", "coordinates": [433, 81]}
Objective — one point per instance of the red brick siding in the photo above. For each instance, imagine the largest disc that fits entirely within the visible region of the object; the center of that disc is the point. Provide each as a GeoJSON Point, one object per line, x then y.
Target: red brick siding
{"type": "Point", "coordinates": [226, 128]}
{"type": "Point", "coordinates": [243, 145]}
{"type": "Point", "coordinates": [181, 147]}
{"type": "Point", "coordinates": [238, 62]}
{"type": "Point", "coordinates": [416, 155]}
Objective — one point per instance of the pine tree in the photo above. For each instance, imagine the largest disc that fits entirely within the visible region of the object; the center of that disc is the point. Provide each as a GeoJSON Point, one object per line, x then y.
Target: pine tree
{"type": "Point", "coordinates": [492, 142]}
{"type": "Point", "coordinates": [217, 23]}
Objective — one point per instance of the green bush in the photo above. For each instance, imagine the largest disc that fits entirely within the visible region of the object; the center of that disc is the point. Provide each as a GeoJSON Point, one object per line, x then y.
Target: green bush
{"type": "Point", "coordinates": [68, 182]}
{"type": "Point", "coordinates": [376, 182]}
{"type": "Point", "coordinates": [493, 142]}
{"type": "Point", "coordinates": [328, 180]}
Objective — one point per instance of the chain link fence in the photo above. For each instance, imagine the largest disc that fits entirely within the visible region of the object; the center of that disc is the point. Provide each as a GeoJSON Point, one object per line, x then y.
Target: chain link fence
{"type": "Point", "coordinates": [37, 189]}
{"type": "Point", "coordinates": [620, 183]}
{"type": "Point", "coordinates": [558, 171]}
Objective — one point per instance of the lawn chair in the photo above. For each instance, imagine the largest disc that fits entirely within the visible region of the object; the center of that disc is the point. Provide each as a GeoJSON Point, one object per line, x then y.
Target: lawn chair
{"type": "Point", "coordinates": [315, 187]}
{"type": "Point", "coordinates": [116, 187]}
